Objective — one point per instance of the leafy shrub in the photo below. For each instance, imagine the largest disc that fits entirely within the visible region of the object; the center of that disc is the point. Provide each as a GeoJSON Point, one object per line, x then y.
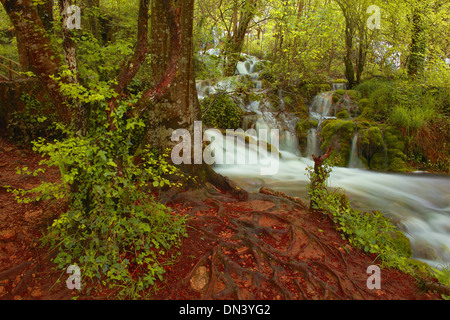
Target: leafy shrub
{"type": "Point", "coordinates": [369, 231]}
{"type": "Point", "coordinates": [114, 229]}
{"type": "Point", "coordinates": [220, 111]}
{"type": "Point", "coordinates": [33, 122]}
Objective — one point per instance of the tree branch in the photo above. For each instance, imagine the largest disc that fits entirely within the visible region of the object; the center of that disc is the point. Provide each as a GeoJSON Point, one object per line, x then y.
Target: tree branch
{"type": "Point", "coordinates": [133, 65]}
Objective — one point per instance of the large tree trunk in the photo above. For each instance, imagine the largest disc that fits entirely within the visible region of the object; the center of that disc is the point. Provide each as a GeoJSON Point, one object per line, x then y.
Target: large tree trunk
{"type": "Point", "coordinates": [43, 61]}
{"type": "Point", "coordinates": [179, 107]}
{"type": "Point", "coordinates": [131, 68]}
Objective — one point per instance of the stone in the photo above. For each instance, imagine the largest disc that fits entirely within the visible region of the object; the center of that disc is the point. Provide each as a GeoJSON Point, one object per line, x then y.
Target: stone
{"type": "Point", "coordinates": [36, 293]}
{"type": "Point", "coordinates": [200, 279]}
{"type": "Point", "coordinates": [7, 235]}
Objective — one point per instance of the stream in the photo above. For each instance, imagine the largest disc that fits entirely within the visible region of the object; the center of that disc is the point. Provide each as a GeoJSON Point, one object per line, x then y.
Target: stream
{"type": "Point", "coordinates": [418, 203]}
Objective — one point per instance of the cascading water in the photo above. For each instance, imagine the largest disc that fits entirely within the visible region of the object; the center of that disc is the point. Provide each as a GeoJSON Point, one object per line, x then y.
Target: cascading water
{"type": "Point", "coordinates": [418, 203]}
{"type": "Point", "coordinates": [355, 161]}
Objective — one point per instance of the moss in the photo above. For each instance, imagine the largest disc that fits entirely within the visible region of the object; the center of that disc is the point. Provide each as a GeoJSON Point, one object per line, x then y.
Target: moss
{"type": "Point", "coordinates": [337, 95]}
{"type": "Point", "coordinates": [378, 162]}
{"type": "Point", "coordinates": [299, 108]}
{"type": "Point", "coordinates": [301, 129]}
{"type": "Point", "coordinates": [267, 76]}
{"type": "Point", "coordinates": [220, 111]}
{"type": "Point", "coordinates": [309, 90]}
{"type": "Point", "coordinates": [324, 87]}
{"type": "Point", "coordinates": [364, 102]}
{"type": "Point", "coordinates": [314, 123]}
{"type": "Point", "coordinates": [343, 114]}
{"type": "Point", "coordinates": [398, 165]}
{"type": "Point", "coordinates": [368, 113]}
{"type": "Point", "coordinates": [375, 137]}
{"type": "Point", "coordinates": [340, 81]}
{"type": "Point", "coordinates": [338, 134]}
{"type": "Point", "coordinates": [259, 66]}
{"type": "Point", "coordinates": [354, 94]}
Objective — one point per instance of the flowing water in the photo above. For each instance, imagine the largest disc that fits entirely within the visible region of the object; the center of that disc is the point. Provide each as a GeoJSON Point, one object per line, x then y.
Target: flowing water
{"type": "Point", "coordinates": [418, 203]}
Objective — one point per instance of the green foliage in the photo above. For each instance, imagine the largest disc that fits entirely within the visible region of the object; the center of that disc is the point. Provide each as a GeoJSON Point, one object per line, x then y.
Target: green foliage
{"type": "Point", "coordinates": [369, 231]}
{"type": "Point", "coordinates": [417, 110]}
{"type": "Point", "coordinates": [114, 229]}
{"type": "Point", "coordinates": [33, 122]}
{"type": "Point", "coordinates": [207, 67]}
{"type": "Point", "coordinates": [220, 111]}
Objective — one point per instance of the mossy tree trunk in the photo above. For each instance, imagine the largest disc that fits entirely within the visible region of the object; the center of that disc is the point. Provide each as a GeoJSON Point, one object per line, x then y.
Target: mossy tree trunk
{"type": "Point", "coordinates": [416, 60]}
{"type": "Point", "coordinates": [235, 42]}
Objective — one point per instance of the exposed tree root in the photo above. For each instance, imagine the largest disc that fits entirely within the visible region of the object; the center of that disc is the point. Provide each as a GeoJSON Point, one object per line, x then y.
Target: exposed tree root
{"type": "Point", "coordinates": [265, 252]}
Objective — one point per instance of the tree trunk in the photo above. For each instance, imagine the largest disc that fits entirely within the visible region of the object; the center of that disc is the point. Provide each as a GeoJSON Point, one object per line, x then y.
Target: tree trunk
{"type": "Point", "coordinates": [43, 61]}
{"type": "Point", "coordinates": [130, 69]}
{"type": "Point", "coordinates": [349, 70]}
{"type": "Point", "coordinates": [235, 43]}
{"type": "Point", "coordinates": [416, 61]}
{"type": "Point", "coordinates": [179, 107]}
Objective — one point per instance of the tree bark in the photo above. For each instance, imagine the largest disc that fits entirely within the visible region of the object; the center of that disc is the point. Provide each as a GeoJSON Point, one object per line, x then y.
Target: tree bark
{"type": "Point", "coordinates": [45, 11]}
{"type": "Point", "coordinates": [235, 42]}
{"type": "Point", "coordinates": [172, 103]}
{"type": "Point", "coordinates": [416, 61]}
{"type": "Point", "coordinates": [131, 68]}
{"type": "Point", "coordinates": [43, 61]}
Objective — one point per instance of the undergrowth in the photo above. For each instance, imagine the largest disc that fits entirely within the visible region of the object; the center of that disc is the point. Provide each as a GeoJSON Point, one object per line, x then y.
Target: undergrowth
{"type": "Point", "coordinates": [370, 231]}
{"type": "Point", "coordinates": [114, 230]}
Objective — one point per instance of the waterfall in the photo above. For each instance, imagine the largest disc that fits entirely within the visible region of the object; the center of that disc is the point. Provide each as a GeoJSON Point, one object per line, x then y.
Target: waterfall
{"type": "Point", "coordinates": [312, 147]}
{"type": "Point", "coordinates": [355, 161]}
{"type": "Point", "coordinates": [321, 106]}
{"type": "Point", "coordinates": [338, 86]}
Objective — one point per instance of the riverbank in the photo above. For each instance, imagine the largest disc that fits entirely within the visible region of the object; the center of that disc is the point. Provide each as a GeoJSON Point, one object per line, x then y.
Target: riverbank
{"type": "Point", "coordinates": [266, 247]}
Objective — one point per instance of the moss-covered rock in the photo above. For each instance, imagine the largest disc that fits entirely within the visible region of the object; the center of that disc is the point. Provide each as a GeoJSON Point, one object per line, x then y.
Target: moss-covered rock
{"type": "Point", "coordinates": [220, 111]}
{"type": "Point", "coordinates": [343, 114]}
{"type": "Point", "coordinates": [314, 123]}
{"type": "Point", "coordinates": [310, 90]}
{"type": "Point", "coordinates": [354, 94]}
{"type": "Point", "coordinates": [369, 114]}
{"type": "Point", "coordinates": [398, 165]}
{"type": "Point", "coordinates": [337, 95]}
{"type": "Point", "coordinates": [338, 134]}
{"type": "Point", "coordinates": [363, 103]}
{"type": "Point", "coordinates": [378, 162]}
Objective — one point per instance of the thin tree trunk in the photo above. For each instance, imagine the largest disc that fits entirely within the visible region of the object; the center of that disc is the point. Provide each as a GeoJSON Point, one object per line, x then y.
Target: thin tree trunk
{"type": "Point", "coordinates": [416, 61]}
